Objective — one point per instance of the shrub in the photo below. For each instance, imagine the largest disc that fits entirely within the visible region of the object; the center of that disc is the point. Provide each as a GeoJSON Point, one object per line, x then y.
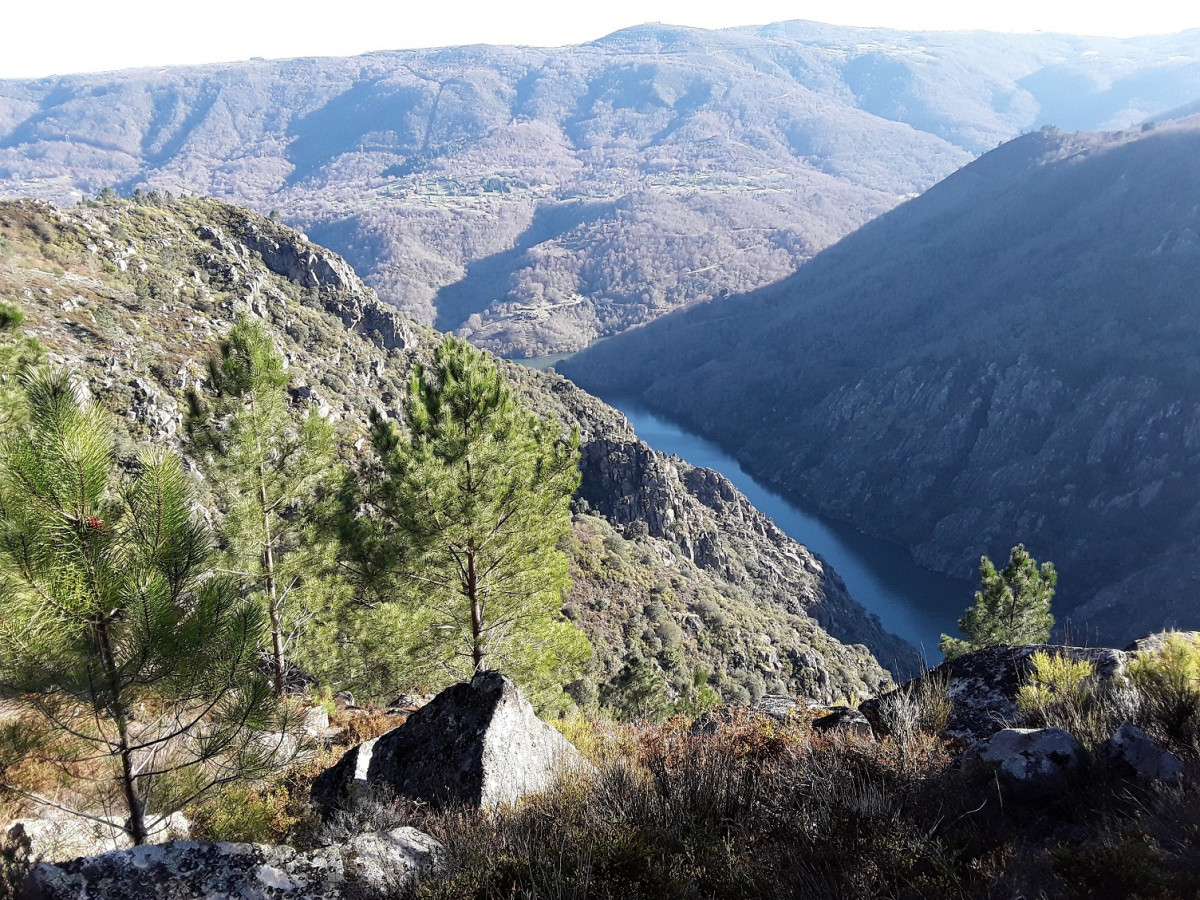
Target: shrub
{"type": "Point", "coordinates": [1168, 680]}
{"type": "Point", "coordinates": [1060, 692]}
{"type": "Point", "coordinates": [252, 815]}
{"type": "Point", "coordinates": [756, 809]}
{"type": "Point", "coordinates": [1130, 866]}
{"type": "Point", "coordinates": [921, 707]}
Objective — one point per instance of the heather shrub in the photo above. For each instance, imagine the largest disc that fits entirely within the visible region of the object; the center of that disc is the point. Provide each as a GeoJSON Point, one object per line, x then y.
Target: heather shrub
{"type": "Point", "coordinates": [257, 815]}
{"type": "Point", "coordinates": [1168, 681]}
{"type": "Point", "coordinates": [1065, 693]}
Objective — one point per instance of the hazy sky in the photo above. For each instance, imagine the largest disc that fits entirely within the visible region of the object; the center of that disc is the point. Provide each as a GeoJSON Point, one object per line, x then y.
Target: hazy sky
{"type": "Point", "coordinates": [58, 36]}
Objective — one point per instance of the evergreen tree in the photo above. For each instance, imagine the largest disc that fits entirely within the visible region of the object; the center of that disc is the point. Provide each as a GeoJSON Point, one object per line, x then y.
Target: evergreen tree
{"type": "Point", "coordinates": [137, 662]}
{"type": "Point", "coordinates": [1012, 606]}
{"type": "Point", "coordinates": [462, 518]}
{"type": "Point", "coordinates": [637, 694]}
{"type": "Point", "coordinates": [18, 354]}
{"type": "Point", "coordinates": [268, 460]}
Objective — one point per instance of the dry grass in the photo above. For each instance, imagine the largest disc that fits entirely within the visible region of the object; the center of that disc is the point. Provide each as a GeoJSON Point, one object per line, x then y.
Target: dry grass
{"type": "Point", "coordinates": [756, 809]}
{"type": "Point", "coordinates": [762, 809]}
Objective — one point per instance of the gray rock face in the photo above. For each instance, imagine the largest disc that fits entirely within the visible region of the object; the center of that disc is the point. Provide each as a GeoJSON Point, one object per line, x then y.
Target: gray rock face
{"type": "Point", "coordinates": [343, 293]}
{"type": "Point", "coordinates": [776, 706]}
{"type": "Point", "coordinates": [189, 870]}
{"type": "Point", "coordinates": [478, 743]}
{"type": "Point", "coordinates": [57, 835]}
{"type": "Point", "coordinates": [1033, 760]}
{"type": "Point", "coordinates": [983, 685]}
{"type": "Point", "coordinates": [833, 719]}
{"type": "Point", "coordinates": [1131, 752]}
{"type": "Point", "coordinates": [386, 860]}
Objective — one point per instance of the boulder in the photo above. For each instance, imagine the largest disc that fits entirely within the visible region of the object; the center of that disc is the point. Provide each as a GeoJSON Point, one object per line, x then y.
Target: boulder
{"type": "Point", "coordinates": [189, 870]}
{"type": "Point", "coordinates": [411, 702]}
{"type": "Point", "coordinates": [844, 720]}
{"type": "Point", "coordinates": [387, 860]}
{"type": "Point", "coordinates": [315, 722]}
{"type": "Point", "coordinates": [57, 835]}
{"type": "Point", "coordinates": [478, 743]}
{"type": "Point", "coordinates": [1130, 752]}
{"type": "Point", "coordinates": [771, 706]}
{"type": "Point", "coordinates": [776, 706]}
{"type": "Point", "coordinates": [1033, 760]}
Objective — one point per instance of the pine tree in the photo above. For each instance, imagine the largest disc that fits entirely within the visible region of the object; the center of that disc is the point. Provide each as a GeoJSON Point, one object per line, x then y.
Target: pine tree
{"type": "Point", "coordinates": [269, 461]}
{"type": "Point", "coordinates": [18, 354]}
{"type": "Point", "coordinates": [1012, 606]}
{"type": "Point", "coordinates": [463, 518]}
{"type": "Point", "coordinates": [136, 662]}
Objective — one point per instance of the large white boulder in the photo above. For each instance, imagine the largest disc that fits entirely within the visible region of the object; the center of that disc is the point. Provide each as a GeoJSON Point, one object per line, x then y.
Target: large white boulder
{"type": "Point", "coordinates": [477, 743]}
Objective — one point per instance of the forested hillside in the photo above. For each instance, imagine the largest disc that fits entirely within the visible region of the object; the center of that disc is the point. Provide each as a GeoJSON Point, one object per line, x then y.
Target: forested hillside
{"type": "Point", "coordinates": [680, 584]}
{"type": "Point", "coordinates": [535, 200]}
{"type": "Point", "coordinates": [1009, 357]}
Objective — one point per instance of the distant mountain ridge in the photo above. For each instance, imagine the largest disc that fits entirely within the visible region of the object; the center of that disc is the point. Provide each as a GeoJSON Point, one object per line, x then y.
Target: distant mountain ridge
{"type": "Point", "coordinates": [535, 200]}
{"type": "Point", "coordinates": [1009, 357]}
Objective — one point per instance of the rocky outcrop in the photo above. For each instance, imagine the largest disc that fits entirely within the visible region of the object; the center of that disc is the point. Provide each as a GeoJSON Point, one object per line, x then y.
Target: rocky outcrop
{"type": "Point", "coordinates": [982, 686]}
{"type": "Point", "coordinates": [1033, 761]}
{"type": "Point", "coordinates": [1153, 643]}
{"type": "Point", "coordinates": [58, 835]}
{"type": "Point", "coordinates": [189, 870]}
{"type": "Point", "coordinates": [771, 706]}
{"type": "Point", "coordinates": [844, 720]}
{"type": "Point", "coordinates": [291, 255]}
{"type": "Point", "coordinates": [786, 711]}
{"type": "Point", "coordinates": [478, 743]}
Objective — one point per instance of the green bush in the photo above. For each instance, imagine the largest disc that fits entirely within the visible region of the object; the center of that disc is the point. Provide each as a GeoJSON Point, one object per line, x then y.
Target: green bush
{"type": "Point", "coordinates": [1168, 680]}
{"type": "Point", "coordinates": [1060, 692]}
{"type": "Point", "coordinates": [242, 813]}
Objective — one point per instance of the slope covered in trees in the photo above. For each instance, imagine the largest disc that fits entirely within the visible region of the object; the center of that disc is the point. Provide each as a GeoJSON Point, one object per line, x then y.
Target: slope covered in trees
{"type": "Point", "coordinates": [1009, 357]}
{"type": "Point", "coordinates": [680, 583]}
{"type": "Point", "coordinates": [535, 200]}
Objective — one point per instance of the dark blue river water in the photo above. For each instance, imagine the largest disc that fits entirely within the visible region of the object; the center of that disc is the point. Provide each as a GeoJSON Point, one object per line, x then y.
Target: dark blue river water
{"type": "Point", "coordinates": [913, 602]}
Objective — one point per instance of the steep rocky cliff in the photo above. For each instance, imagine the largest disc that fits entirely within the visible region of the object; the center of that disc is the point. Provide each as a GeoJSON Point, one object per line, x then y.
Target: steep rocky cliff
{"type": "Point", "coordinates": [135, 296]}
{"type": "Point", "coordinates": [1009, 357]}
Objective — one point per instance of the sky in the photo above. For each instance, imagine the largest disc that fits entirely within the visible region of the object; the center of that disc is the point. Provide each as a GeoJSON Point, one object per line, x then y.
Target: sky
{"type": "Point", "coordinates": [63, 36]}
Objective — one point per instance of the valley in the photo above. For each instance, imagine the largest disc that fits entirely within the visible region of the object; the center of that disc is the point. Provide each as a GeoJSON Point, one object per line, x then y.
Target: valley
{"type": "Point", "coordinates": [132, 296]}
{"type": "Point", "coordinates": [911, 601]}
{"type": "Point", "coordinates": [537, 200]}
{"type": "Point", "coordinates": [1005, 359]}
{"type": "Point", "coordinates": [524, 472]}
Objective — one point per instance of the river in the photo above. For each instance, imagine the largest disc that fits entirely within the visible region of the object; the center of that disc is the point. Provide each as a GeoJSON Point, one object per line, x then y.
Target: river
{"type": "Point", "coordinates": [911, 601]}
